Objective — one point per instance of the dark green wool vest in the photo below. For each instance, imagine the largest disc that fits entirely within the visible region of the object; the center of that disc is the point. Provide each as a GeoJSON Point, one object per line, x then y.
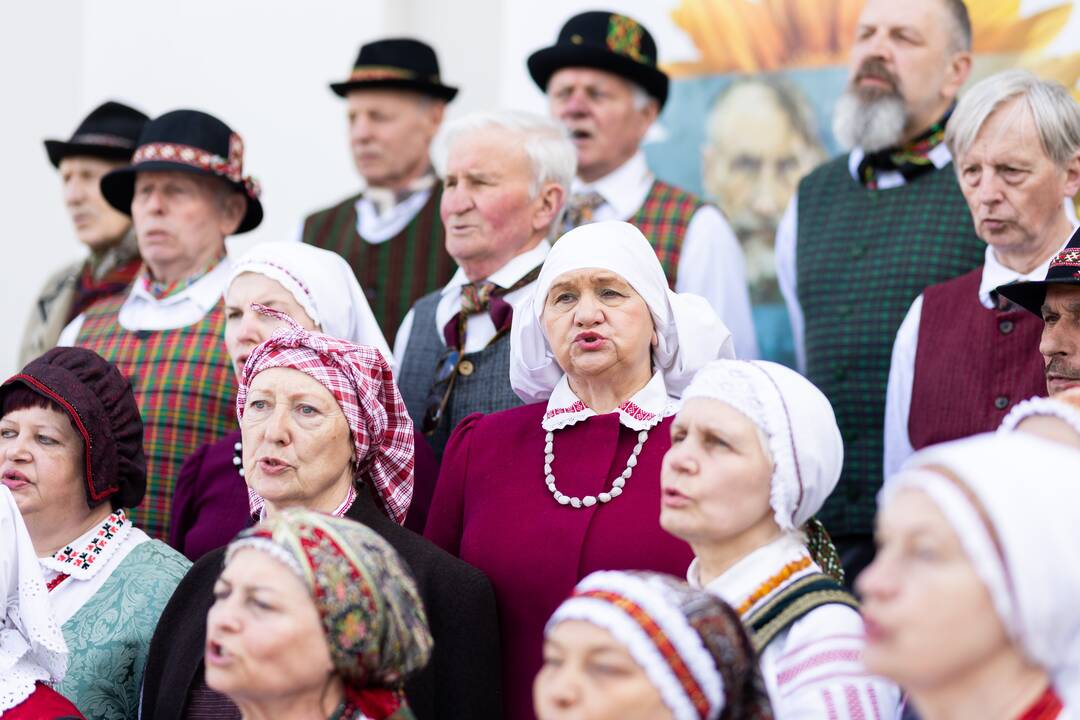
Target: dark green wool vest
{"type": "Point", "coordinates": [863, 257]}
{"type": "Point", "coordinates": [396, 273]}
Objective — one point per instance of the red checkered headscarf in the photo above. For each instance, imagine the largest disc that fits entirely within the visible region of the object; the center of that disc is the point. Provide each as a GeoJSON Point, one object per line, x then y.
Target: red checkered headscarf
{"type": "Point", "coordinates": [361, 381]}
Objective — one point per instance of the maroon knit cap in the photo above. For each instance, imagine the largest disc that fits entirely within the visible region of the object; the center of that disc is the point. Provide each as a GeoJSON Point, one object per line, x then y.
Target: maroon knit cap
{"type": "Point", "coordinates": [102, 408]}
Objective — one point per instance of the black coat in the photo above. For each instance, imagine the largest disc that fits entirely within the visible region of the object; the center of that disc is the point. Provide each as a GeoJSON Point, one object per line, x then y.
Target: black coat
{"type": "Point", "coordinates": [462, 680]}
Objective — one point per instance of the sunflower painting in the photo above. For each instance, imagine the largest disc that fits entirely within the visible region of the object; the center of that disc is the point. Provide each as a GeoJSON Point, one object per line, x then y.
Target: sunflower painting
{"type": "Point", "coordinates": [749, 117]}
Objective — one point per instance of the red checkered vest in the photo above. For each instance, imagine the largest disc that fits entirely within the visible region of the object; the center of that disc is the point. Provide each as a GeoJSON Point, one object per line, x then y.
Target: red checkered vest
{"type": "Point", "coordinates": [663, 218]}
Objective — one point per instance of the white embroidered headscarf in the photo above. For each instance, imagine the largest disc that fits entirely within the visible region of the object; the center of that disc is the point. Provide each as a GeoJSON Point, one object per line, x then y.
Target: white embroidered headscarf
{"type": "Point", "coordinates": [32, 648]}
{"type": "Point", "coordinates": [688, 331]}
{"type": "Point", "coordinates": [797, 420]}
{"type": "Point", "coordinates": [1025, 551]}
{"type": "Point", "coordinates": [323, 284]}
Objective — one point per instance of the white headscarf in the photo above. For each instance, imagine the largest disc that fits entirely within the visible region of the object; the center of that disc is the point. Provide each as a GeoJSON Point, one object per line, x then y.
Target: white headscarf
{"type": "Point", "coordinates": [323, 284]}
{"type": "Point", "coordinates": [798, 423]}
{"type": "Point", "coordinates": [688, 331]}
{"type": "Point", "coordinates": [32, 647]}
{"type": "Point", "coordinates": [1029, 489]}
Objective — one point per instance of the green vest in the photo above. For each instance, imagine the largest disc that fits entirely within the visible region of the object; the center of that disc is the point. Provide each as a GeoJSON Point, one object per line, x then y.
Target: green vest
{"type": "Point", "coordinates": [863, 257]}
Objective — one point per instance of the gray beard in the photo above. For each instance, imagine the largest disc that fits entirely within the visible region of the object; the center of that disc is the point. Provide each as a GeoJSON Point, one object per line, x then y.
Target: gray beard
{"type": "Point", "coordinates": [868, 124]}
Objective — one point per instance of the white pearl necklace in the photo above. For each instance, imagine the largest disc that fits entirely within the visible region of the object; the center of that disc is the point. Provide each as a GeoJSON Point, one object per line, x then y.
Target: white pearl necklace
{"type": "Point", "coordinates": [589, 500]}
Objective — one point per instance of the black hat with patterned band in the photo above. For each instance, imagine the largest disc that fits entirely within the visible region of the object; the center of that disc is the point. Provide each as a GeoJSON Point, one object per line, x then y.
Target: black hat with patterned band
{"type": "Point", "coordinates": [396, 63]}
{"type": "Point", "coordinates": [1064, 270]}
{"type": "Point", "coordinates": [605, 41]}
{"type": "Point", "coordinates": [109, 132]}
{"type": "Point", "coordinates": [187, 141]}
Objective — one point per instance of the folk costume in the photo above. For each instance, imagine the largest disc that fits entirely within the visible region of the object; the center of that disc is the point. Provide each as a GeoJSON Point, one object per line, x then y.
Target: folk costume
{"type": "Point", "coordinates": [462, 679]}
{"type": "Point", "coordinates": [371, 611]}
{"type": "Point", "coordinates": [863, 236]}
{"type": "Point", "coordinates": [166, 339]}
{"type": "Point", "coordinates": [393, 241]}
{"type": "Point", "coordinates": [804, 624]}
{"type": "Point", "coordinates": [691, 645]}
{"type": "Point", "coordinates": [107, 587]}
{"type": "Point", "coordinates": [563, 515]}
{"type": "Point", "coordinates": [109, 132]}
{"type": "Point", "coordinates": [1019, 538]}
{"type": "Point", "coordinates": [928, 401]}
{"type": "Point", "coordinates": [454, 347]}
{"type": "Point", "coordinates": [696, 246]}
{"type": "Point", "coordinates": [33, 654]}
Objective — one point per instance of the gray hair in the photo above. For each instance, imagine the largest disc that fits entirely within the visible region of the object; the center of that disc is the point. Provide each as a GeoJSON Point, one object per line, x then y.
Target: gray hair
{"type": "Point", "coordinates": [546, 143]}
{"type": "Point", "coordinates": [1056, 114]}
{"type": "Point", "coordinates": [961, 34]}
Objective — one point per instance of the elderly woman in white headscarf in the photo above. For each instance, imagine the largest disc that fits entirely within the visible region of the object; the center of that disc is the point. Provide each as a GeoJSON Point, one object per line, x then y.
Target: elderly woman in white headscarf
{"type": "Point", "coordinates": [755, 452]}
{"type": "Point", "coordinates": [318, 290]}
{"type": "Point", "coordinates": [971, 602]}
{"type": "Point", "coordinates": [541, 495]}
{"type": "Point", "coordinates": [33, 653]}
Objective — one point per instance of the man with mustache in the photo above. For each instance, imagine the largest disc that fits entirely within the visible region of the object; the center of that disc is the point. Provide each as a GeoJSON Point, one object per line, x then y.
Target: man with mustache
{"type": "Point", "coordinates": [603, 84]}
{"type": "Point", "coordinates": [103, 141]}
{"type": "Point", "coordinates": [866, 232]}
{"type": "Point", "coordinates": [1016, 144]}
{"type": "Point", "coordinates": [390, 232]}
{"type": "Point", "coordinates": [185, 190]}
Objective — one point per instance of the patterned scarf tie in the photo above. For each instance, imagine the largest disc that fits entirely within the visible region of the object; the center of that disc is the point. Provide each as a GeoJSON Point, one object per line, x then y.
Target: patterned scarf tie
{"type": "Point", "coordinates": [90, 289]}
{"type": "Point", "coordinates": [911, 160]}
{"type": "Point", "coordinates": [486, 297]}
{"type": "Point", "coordinates": [160, 290]}
{"type": "Point", "coordinates": [580, 209]}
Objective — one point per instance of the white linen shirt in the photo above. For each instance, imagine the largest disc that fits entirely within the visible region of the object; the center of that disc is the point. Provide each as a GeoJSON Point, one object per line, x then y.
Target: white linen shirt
{"type": "Point", "coordinates": [142, 311]}
{"type": "Point", "coordinates": [812, 670]}
{"type": "Point", "coordinates": [479, 329]}
{"type": "Point", "coordinates": [902, 367]}
{"type": "Point", "coordinates": [711, 262]}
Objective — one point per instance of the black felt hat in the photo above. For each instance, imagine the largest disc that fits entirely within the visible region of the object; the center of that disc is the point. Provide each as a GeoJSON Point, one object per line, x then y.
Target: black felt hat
{"type": "Point", "coordinates": [109, 132]}
{"type": "Point", "coordinates": [605, 41]}
{"type": "Point", "coordinates": [102, 407]}
{"type": "Point", "coordinates": [1064, 270]}
{"type": "Point", "coordinates": [188, 141]}
{"type": "Point", "coordinates": [396, 63]}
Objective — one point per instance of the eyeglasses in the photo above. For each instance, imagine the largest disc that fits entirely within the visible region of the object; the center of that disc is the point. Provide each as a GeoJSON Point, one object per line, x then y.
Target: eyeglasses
{"type": "Point", "coordinates": [439, 395]}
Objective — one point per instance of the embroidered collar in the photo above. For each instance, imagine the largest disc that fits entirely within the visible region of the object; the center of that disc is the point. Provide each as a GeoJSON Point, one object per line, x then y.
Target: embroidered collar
{"type": "Point", "coordinates": [744, 577]}
{"type": "Point", "coordinates": [83, 556]}
{"type": "Point", "coordinates": [645, 409]}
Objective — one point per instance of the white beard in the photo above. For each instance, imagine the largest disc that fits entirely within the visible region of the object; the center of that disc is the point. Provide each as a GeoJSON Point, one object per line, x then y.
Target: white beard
{"type": "Point", "coordinates": [868, 124]}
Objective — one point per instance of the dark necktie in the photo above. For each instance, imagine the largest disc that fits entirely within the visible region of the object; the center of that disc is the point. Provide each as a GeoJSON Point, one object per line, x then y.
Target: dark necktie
{"type": "Point", "coordinates": [487, 297]}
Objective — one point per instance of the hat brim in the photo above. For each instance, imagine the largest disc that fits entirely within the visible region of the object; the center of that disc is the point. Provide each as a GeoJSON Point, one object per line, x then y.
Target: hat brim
{"type": "Point", "coordinates": [118, 189]}
{"type": "Point", "coordinates": [437, 91]}
{"type": "Point", "coordinates": [546, 62]}
{"type": "Point", "coordinates": [58, 150]}
{"type": "Point", "coordinates": [1032, 295]}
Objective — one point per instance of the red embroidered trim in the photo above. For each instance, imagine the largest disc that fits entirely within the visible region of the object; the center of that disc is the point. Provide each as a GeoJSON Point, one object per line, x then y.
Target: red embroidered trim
{"type": "Point", "coordinates": [84, 559]}
{"type": "Point", "coordinates": [1069, 257]}
{"type": "Point", "coordinates": [636, 412]}
{"type": "Point", "coordinates": [231, 169]}
{"type": "Point", "coordinates": [815, 661]}
{"type": "Point", "coordinates": [663, 644]}
{"type": "Point", "coordinates": [575, 408]}
{"type": "Point", "coordinates": [52, 584]}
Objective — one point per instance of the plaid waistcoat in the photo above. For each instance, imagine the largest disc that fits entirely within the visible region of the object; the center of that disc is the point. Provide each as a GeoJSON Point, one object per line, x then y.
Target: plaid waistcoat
{"type": "Point", "coordinates": [663, 219]}
{"type": "Point", "coordinates": [185, 388]}
{"type": "Point", "coordinates": [863, 256]}
{"type": "Point", "coordinates": [396, 273]}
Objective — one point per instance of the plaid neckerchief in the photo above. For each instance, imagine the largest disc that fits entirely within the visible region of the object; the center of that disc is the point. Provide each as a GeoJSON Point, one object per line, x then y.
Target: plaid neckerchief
{"type": "Point", "coordinates": [487, 297]}
{"type": "Point", "coordinates": [160, 290]}
{"type": "Point", "coordinates": [580, 209]}
{"type": "Point", "coordinates": [911, 160]}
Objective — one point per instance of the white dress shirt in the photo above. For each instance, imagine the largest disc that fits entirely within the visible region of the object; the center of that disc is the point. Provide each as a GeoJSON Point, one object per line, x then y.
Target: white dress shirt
{"type": "Point", "coordinates": [143, 311]}
{"type": "Point", "coordinates": [787, 234]}
{"type": "Point", "coordinates": [382, 214]}
{"type": "Point", "coordinates": [479, 329]}
{"type": "Point", "coordinates": [902, 367]}
{"type": "Point", "coordinates": [711, 262]}
{"type": "Point", "coordinates": [813, 670]}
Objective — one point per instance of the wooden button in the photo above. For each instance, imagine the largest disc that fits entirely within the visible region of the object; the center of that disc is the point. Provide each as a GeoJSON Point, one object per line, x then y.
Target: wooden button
{"type": "Point", "coordinates": [466, 368]}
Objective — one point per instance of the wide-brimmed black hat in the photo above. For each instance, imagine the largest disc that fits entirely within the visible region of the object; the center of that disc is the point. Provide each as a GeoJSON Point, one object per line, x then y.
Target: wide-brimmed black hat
{"type": "Point", "coordinates": [396, 63]}
{"type": "Point", "coordinates": [188, 141]}
{"type": "Point", "coordinates": [605, 41]}
{"type": "Point", "coordinates": [109, 132]}
{"type": "Point", "coordinates": [1064, 270]}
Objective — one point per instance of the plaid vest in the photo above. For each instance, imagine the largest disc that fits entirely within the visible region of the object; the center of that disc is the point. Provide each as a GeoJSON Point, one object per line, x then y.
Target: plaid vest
{"type": "Point", "coordinates": [185, 388]}
{"type": "Point", "coordinates": [863, 256]}
{"type": "Point", "coordinates": [663, 219]}
{"type": "Point", "coordinates": [396, 273]}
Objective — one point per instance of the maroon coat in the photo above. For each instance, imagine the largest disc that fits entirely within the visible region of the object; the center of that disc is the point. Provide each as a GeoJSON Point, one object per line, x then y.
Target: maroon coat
{"type": "Point", "coordinates": [492, 509]}
{"type": "Point", "coordinates": [972, 365]}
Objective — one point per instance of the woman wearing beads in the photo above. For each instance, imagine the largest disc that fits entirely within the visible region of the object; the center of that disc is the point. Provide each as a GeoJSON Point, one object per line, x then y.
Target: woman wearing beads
{"type": "Point", "coordinates": [755, 451]}
{"type": "Point", "coordinates": [539, 496]}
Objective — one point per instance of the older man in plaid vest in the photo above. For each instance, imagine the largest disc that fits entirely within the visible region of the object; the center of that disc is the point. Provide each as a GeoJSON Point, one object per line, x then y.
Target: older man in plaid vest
{"type": "Point", "coordinates": [603, 84]}
{"type": "Point", "coordinates": [186, 191]}
{"type": "Point", "coordinates": [867, 231]}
